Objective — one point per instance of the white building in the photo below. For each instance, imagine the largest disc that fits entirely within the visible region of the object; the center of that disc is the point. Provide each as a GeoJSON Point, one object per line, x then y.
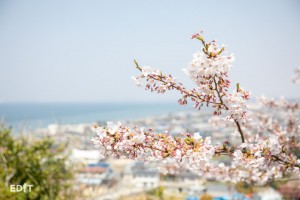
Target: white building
{"type": "Point", "coordinates": [85, 156]}
{"type": "Point", "coordinates": [141, 176]}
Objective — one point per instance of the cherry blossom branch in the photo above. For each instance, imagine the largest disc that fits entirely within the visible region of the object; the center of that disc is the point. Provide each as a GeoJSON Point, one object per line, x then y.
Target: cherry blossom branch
{"type": "Point", "coordinates": [258, 159]}
{"type": "Point", "coordinates": [195, 153]}
{"type": "Point", "coordinates": [212, 66]}
{"type": "Point", "coordinates": [221, 100]}
{"type": "Point", "coordinates": [169, 82]}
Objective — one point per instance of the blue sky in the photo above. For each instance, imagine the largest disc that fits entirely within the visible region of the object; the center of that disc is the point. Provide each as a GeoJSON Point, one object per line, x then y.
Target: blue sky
{"type": "Point", "coordinates": [83, 51]}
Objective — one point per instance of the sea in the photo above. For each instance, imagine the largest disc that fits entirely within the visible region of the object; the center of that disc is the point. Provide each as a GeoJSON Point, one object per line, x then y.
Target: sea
{"type": "Point", "coordinates": [31, 116]}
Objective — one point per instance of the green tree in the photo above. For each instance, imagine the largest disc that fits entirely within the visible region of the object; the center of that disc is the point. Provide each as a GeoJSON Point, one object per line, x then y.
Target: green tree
{"type": "Point", "coordinates": [40, 163]}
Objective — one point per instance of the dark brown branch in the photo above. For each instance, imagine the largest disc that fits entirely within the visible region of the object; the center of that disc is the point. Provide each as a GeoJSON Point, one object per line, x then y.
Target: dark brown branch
{"type": "Point", "coordinates": [221, 100]}
{"type": "Point", "coordinates": [240, 130]}
{"type": "Point", "coordinates": [218, 93]}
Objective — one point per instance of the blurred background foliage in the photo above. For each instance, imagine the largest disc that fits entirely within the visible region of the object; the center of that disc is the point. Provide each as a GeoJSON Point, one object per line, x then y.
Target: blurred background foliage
{"type": "Point", "coordinates": [38, 162]}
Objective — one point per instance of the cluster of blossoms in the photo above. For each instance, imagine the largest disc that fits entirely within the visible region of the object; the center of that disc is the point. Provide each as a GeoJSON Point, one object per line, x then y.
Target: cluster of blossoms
{"type": "Point", "coordinates": [282, 103]}
{"type": "Point", "coordinates": [237, 105]}
{"type": "Point", "coordinates": [154, 77]}
{"type": "Point", "coordinates": [208, 65]}
{"type": "Point", "coordinates": [258, 159]}
{"type": "Point", "coordinates": [122, 142]}
{"type": "Point", "coordinates": [282, 118]}
{"type": "Point", "coordinates": [251, 161]}
{"type": "Point", "coordinates": [283, 122]}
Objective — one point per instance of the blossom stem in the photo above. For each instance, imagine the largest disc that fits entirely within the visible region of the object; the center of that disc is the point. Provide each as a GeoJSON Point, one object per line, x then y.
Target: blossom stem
{"type": "Point", "coordinates": [218, 93]}
{"type": "Point", "coordinates": [137, 65]}
{"type": "Point", "coordinates": [240, 130]}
